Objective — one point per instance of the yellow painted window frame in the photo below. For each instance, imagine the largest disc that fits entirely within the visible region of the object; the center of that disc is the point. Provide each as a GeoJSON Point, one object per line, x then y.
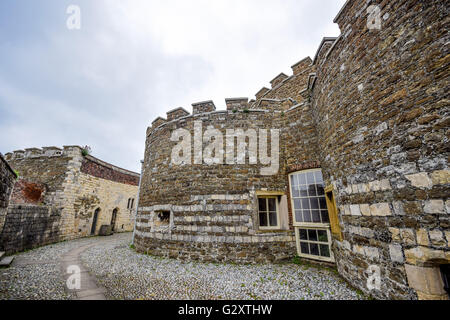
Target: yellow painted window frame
{"type": "Point", "coordinates": [296, 223]}
{"type": "Point", "coordinates": [333, 213]}
{"type": "Point", "coordinates": [310, 256]}
{"type": "Point", "coordinates": [269, 195]}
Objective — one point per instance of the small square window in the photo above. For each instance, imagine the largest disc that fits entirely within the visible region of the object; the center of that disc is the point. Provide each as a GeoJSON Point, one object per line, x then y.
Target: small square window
{"type": "Point", "coordinates": [268, 212]}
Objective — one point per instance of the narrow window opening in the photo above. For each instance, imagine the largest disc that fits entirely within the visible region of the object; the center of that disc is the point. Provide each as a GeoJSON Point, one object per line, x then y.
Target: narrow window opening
{"type": "Point", "coordinates": [445, 271]}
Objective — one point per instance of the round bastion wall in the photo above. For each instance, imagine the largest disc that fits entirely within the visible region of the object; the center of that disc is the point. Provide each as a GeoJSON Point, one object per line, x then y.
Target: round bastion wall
{"type": "Point", "coordinates": [209, 212]}
{"type": "Point", "coordinates": [370, 111]}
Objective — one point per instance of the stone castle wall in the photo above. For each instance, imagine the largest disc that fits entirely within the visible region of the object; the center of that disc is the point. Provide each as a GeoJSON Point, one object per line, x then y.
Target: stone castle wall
{"type": "Point", "coordinates": [29, 226]}
{"type": "Point", "coordinates": [380, 98]}
{"type": "Point", "coordinates": [7, 180]}
{"type": "Point", "coordinates": [213, 216]}
{"type": "Point", "coordinates": [371, 111]}
{"type": "Point", "coordinates": [98, 185]}
{"type": "Point", "coordinates": [74, 186]}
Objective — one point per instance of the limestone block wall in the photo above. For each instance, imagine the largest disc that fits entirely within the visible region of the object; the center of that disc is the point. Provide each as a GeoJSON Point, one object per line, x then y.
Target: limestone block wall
{"type": "Point", "coordinates": [90, 192]}
{"type": "Point", "coordinates": [75, 186]}
{"type": "Point", "coordinates": [380, 104]}
{"type": "Point", "coordinates": [7, 180]}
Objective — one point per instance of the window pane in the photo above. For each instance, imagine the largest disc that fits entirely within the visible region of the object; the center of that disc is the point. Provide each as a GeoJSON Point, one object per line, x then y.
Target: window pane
{"type": "Point", "coordinates": [272, 204]}
{"type": "Point", "coordinates": [298, 216]}
{"type": "Point", "coordinates": [312, 235]}
{"type": "Point", "coordinates": [322, 236]}
{"type": "Point", "coordinates": [307, 216]}
{"type": "Point", "coordinates": [262, 204]}
{"type": "Point", "coordinates": [305, 204]}
{"type": "Point", "coordinates": [325, 218]}
{"type": "Point", "coordinates": [323, 203]}
{"type": "Point", "coordinates": [293, 181]}
{"type": "Point", "coordinates": [315, 215]}
{"type": "Point", "coordinates": [304, 247]}
{"type": "Point", "coordinates": [263, 219]}
{"type": "Point", "coordinates": [273, 219]}
{"type": "Point", "coordinates": [314, 249]}
{"type": "Point", "coordinates": [312, 190]}
{"type": "Point", "coordinates": [324, 250]}
{"type": "Point", "coordinates": [320, 190]}
{"type": "Point", "coordinates": [318, 175]}
{"type": "Point", "coordinates": [295, 192]}
{"type": "Point", "coordinates": [303, 191]}
{"type": "Point", "coordinates": [297, 204]}
{"type": "Point", "coordinates": [314, 203]}
{"type": "Point", "coordinates": [301, 178]}
{"type": "Point", "coordinates": [303, 234]}
{"type": "Point", "coordinates": [310, 178]}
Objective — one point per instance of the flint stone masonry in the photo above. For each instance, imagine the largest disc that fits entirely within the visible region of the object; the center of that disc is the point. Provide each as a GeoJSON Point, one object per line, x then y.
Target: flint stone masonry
{"type": "Point", "coordinates": [371, 111]}
{"type": "Point", "coordinates": [203, 107]}
{"type": "Point", "coordinates": [73, 186]}
{"type": "Point", "coordinates": [30, 226]}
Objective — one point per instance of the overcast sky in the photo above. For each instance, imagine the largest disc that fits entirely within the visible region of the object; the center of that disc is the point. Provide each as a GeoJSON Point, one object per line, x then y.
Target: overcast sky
{"type": "Point", "coordinates": [132, 61]}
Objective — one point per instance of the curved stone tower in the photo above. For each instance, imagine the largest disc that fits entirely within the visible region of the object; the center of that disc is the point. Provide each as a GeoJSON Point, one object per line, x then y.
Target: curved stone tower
{"type": "Point", "coordinates": [362, 178]}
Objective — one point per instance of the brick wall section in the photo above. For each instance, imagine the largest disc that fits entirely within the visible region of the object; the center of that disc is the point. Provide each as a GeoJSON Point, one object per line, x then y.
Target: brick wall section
{"type": "Point", "coordinates": [380, 100]}
{"type": "Point", "coordinates": [7, 180]}
{"type": "Point", "coordinates": [29, 226]}
{"type": "Point", "coordinates": [100, 169]}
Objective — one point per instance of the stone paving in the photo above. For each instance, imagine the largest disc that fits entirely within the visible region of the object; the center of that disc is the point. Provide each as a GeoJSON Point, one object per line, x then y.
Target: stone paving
{"type": "Point", "coordinates": [110, 269]}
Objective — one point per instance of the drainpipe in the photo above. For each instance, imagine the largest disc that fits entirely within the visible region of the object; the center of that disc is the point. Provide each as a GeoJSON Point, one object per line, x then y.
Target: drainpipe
{"type": "Point", "coordinates": [137, 202]}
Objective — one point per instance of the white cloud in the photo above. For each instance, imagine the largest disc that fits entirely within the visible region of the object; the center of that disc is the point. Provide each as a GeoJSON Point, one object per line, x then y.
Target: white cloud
{"type": "Point", "coordinates": [134, 60]}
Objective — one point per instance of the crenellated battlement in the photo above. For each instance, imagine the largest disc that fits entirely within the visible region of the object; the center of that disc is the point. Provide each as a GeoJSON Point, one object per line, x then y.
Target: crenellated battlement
{"type": "Point", "coordinates": [301, 66]}
{"type": "Point", "coordinates": [236, 104]}
{"type": "Point", "coordinates": [49, 152]}
{"type": "Point", "coordinates": [203, 107]}
{"type": "Point", "coordinates": [176, 114]}
{"type": "Point", "coordinates": [278, 79]}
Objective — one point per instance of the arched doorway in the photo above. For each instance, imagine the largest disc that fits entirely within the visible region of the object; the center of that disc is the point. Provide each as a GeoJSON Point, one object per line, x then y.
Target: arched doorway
{"type": "Point", "coordinates": [94, 221]}
{"type": "Point", "coordinates": [113, 219]}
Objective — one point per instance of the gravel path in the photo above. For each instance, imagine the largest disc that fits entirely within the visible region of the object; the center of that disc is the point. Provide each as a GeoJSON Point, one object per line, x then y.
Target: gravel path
{"type": "Point", "coordinates": [127, 275]}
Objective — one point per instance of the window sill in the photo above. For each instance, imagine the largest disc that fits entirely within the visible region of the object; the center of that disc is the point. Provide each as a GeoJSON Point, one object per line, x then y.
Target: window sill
{"type": "Point", "coordinates": [272, 231]}
{"type": "Point", "coordinates": [311, 225]}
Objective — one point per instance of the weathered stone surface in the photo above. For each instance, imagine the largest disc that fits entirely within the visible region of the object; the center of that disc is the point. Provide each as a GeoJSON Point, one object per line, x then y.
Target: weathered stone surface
{"type": "Point", "coordinates": [396, 253]}
{"type": "Point", "coordinates": [371, 111]}
{"type": "Point", "coordinates": [434, 206]}
{"type": "Point", "coordinates": [420, 180]}
{"type": "Point", "coordinates": [380, 209]}
{"type": "Point", "coordinates": [7, 180]}
{"type": "Point", "coordinates": [440, 177]}
{"type": "Point", "coordinates": [426, 280]}
{"type": "Point", "coordinates": [65, 189]}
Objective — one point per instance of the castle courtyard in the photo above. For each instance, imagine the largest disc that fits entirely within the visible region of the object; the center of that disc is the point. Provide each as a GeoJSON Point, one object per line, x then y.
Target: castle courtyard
{"type": "Point", "coordinates": [111, 269]}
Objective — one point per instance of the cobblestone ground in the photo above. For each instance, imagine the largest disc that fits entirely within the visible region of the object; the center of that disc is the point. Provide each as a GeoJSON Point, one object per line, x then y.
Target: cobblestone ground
{"type": "Point", "coordinates": [128, 275]}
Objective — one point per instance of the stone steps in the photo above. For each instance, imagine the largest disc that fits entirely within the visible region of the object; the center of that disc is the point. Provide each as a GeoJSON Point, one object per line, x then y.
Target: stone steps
{"type": "Point", "coordinates": [6, 261]}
